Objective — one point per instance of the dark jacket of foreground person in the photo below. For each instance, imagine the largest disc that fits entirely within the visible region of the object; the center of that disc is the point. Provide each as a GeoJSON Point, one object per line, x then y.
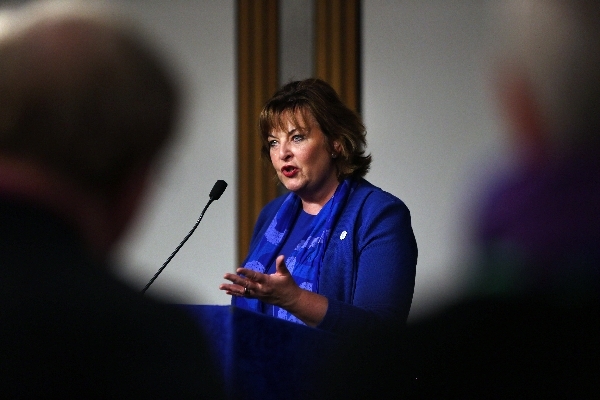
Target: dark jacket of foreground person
{"type": "Point", "coordinates": [70, 329]}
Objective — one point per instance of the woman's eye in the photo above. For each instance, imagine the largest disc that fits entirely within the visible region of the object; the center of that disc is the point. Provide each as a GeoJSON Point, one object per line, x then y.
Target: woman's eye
{"type": "Point", "coordinates": [272, 143]}
{"type": "Point", "coordinates": [297, 138]}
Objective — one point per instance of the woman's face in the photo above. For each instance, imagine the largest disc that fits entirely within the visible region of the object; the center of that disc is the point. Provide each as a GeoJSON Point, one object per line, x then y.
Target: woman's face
{"type": "Point", "coordinates": [303, 159]}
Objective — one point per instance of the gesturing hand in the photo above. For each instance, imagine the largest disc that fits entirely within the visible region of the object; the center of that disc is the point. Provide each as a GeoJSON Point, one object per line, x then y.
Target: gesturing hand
{"type": "Point", "coordinates": [278, 289]}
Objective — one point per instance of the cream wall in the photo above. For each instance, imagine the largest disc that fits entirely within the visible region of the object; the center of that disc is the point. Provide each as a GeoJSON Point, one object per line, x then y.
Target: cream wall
{"type": "Point", "coordinates": [432, 130]}
{"type": "Point", "coordinates": [199, 39]}
{"type": "Point", "coordinates": [432, 125]}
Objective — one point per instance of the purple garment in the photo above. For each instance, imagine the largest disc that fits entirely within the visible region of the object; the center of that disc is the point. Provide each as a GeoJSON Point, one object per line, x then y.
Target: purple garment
{"type": "Point", "coordinates": [540, 225]}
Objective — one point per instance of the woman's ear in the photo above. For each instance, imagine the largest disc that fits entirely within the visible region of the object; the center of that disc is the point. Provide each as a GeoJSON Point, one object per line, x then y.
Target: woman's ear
{"type": "Point", "coordinates": [337, 147]}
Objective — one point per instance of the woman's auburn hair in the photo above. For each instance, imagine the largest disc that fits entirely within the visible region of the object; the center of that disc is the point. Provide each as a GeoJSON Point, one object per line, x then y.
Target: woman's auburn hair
{"type": "Point", "coordinates": [315, 100]}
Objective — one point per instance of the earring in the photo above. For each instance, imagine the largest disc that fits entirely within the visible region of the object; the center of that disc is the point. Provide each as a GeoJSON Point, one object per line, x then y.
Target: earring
{"type": "Point", "coordinates": [333, 155]}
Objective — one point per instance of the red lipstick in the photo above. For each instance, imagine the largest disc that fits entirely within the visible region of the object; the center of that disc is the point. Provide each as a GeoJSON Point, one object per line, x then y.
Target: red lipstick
{"type": "Point", "coordinates": [289, 171]}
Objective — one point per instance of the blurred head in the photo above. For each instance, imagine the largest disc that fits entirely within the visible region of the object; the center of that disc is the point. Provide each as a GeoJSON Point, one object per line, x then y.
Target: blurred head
{"type": "Point", "coordinates": [81, 94]}
{"type": "Point", "coordinates": [313, 101]}
{"type": "Point", "coordinates": [549, 76]}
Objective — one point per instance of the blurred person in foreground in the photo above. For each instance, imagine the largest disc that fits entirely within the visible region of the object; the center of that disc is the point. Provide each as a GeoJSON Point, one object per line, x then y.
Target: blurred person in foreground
{"type": "Point", "coordinates": [85, 109]}
{"type": "Point", "coordinates": [530, 327]}
{"type": "Point", "coordinates": [336, 252]}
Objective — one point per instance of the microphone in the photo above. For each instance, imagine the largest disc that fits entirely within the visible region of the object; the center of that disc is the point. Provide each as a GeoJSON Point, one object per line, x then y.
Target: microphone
{"type": "Point", "coordinates": [215, 193]}
{"type": "Point", "coordinates": [217, 190]}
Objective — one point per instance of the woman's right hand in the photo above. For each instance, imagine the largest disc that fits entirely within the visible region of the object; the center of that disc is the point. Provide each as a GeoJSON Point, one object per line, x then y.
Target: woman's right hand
{"type": "Point", "coordinates": [278, 289]}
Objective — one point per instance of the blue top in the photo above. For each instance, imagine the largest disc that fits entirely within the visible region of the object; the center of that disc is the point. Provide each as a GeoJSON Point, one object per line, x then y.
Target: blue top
{"type": "Point", "coordinates": [369, 267]}
{"type": "Point", "coordinates": [298, 230]}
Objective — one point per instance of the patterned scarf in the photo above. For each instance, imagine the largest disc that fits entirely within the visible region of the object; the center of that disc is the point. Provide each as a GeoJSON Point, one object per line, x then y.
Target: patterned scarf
{"type": "Point", "coordinates": [304, 263]}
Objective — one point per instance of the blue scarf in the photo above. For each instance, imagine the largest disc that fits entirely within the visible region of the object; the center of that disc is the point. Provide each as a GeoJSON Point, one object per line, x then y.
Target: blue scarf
{"type": "Point", "coordinates": [304, 263]}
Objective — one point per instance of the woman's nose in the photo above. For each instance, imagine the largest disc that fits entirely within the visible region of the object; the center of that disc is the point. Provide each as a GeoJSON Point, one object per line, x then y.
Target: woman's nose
{"type": "Point", "coordinates": [284, 151]}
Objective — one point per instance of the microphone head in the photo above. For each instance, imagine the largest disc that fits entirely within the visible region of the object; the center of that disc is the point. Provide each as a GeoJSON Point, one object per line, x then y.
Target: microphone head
{"type": "Point", "coordinates": [218, 189]}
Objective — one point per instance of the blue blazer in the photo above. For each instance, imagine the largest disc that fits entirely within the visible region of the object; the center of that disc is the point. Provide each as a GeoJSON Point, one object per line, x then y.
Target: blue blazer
{"type": "Point", "coordinates": [369, 266]}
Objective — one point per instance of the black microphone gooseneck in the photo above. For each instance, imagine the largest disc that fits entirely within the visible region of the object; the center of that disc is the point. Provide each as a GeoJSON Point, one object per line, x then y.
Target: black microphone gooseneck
{"type": "Point", "coordinates": [216, 192]}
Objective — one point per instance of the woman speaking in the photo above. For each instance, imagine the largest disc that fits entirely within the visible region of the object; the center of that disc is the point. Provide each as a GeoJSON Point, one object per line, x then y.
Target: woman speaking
{"type": "Point", "coordinates": [335, 252]}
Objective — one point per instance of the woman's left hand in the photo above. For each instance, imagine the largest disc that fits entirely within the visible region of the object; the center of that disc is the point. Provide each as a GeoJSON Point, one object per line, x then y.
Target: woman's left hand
{"type": "Point", "coordinates": [278, 289]}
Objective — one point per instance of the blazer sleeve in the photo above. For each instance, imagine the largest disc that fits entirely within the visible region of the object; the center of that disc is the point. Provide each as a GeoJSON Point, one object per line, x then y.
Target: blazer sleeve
{"type": "Point", "coordinates": [383, 265]}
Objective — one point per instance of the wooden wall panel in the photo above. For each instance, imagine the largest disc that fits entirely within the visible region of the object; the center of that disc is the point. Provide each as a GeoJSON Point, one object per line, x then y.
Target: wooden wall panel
{"type": "Point", "coordinates": [337, 47]}
{"type": "Point", "coordinates": [337, 58]}
{"type": "Point", "coordinates": [257, 58]}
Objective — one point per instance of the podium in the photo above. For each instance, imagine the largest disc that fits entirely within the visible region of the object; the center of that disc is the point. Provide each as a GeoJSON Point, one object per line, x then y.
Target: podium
{"type": "Point", "coordinates": [262, 357]}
